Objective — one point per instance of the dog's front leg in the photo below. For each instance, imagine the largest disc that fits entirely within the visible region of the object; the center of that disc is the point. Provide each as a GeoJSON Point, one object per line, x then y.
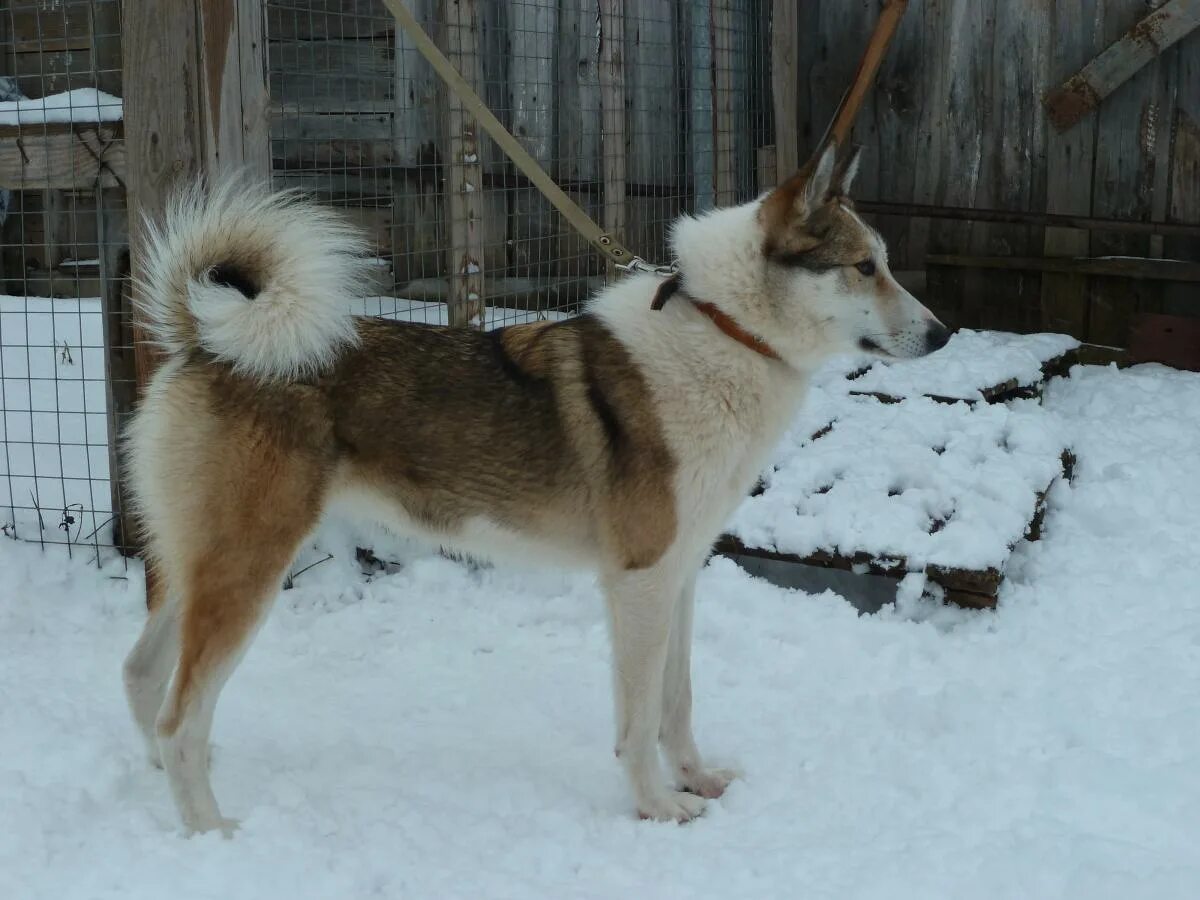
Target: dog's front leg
{"type": "Point", "coordinates": [641, 606]}
{"type": "Point", "coordinates": [678, 743]}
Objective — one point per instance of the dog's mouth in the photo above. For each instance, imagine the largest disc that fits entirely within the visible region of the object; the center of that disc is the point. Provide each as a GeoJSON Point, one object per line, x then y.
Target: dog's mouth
{"type": "Point", "coordinates": [870, 346]}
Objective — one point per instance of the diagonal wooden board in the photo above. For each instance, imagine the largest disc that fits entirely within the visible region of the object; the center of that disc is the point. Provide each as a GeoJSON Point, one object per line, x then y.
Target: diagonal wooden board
{"type": "Point", "coordinates": [1084, 91]}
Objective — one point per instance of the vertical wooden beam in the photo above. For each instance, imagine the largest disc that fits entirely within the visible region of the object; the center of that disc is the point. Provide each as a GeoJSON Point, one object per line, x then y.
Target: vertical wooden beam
{"type": "Point", "coordinates": [785, 83]}
{"type": "Point", "coordinates": [612, 104]}
{"type": "Point", "coordinates": [724, 183]}
{"type": "Point", "coordinates": [195, 101]}
{"type": "Point", "coordinates": [532, 71]}
{"type": "Point", "coordinates": [461, 40]}
{"type": "Point", "coordinates": [234, 97]}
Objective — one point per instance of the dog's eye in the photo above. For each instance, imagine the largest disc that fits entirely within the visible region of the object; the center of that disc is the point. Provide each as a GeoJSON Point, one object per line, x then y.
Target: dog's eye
{"type": "Point", "coordinates": [867, 267]}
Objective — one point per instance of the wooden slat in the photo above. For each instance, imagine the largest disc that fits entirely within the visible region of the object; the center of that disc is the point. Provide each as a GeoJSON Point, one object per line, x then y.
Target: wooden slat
{"type": "Point", "coordinates": [612, 102]}
{"type": "Point", "coordinates": [339, 141]}
{"type": "Point", "coordinates": [723, 99]}
{"type": "Point", "coordinates": [1184, 201]}
{"type": "Point", "coordinates": [1131, 127]}
{"type": "Point", "coordinates": [577, 159]}
{"type": "Point", "coordinates": [62, 157]}
{"type": "Point", "coordinates": [308, 20]}
{"type": "Point", "coordinates": [52, 27]}
{"type": "Point", "coordinates": [1082, 92]}
{"type": "Point", "coordinates": [1132, 268]}
{"type": "Point", "coordinates": [461, 38]}
{"type": "Point", "coordinates": [234, 92]}
{"type": "Point", "coordinates": [785, 78]}
{"type": "Point", "coordinates": [415, 133]}
{"type": "Point", "coordinates": [1069, 159]}
{"type": "Point", "coordinates": [532, 74]}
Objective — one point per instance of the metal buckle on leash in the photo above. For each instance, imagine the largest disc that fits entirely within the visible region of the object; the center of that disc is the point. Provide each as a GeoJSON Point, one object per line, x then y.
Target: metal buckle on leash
{"type": "Point", "coordinates": [637, 264]}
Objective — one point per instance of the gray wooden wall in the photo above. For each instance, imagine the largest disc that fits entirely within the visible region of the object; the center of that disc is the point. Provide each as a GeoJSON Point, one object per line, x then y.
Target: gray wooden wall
{"type": "Point", "coordinates": [956, 121]}
{"type": "Point", "coordinates": [360, 117]}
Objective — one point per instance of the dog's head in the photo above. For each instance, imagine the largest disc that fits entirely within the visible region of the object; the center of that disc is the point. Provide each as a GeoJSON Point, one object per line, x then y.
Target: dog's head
{"type": "Point", "coordinates": [802, 271]}
{"type": "Point", "coordinates": [827, 275]}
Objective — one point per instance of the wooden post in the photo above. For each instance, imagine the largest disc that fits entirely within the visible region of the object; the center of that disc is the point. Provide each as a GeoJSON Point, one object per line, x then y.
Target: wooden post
{"type": "Point", "coordinates": [785, 84]}
{"type": "Point", "coordinates": [724, 184]}
{"type": "Point", "coordinates": [464, 172]}
{"type": "Point", "coordinates": [195, 102]}
{"type": "Point", "coordinates": [612, 104]}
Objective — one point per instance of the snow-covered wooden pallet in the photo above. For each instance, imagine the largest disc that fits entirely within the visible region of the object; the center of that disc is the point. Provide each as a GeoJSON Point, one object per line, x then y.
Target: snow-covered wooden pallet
{"type": "Point", "coordinates": [908, 486]}
{"type": "Point", "coordinates": [976, 366]}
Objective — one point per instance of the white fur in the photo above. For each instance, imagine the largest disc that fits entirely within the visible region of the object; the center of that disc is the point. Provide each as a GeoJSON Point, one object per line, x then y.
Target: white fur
{"type": "Point", "coordinates": [308, 261]}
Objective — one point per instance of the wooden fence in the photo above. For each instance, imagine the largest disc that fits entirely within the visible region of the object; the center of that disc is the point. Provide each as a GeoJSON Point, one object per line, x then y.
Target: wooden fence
{"type": "Point", "coordinates": [955, 128]}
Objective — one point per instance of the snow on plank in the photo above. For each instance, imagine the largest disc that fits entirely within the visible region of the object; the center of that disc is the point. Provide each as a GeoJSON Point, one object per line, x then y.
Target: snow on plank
{"type": "Point", "coordinates": [54, 439]}
{"type": "Point", "coordinates": [911, 486]}
{"type": "Point", "coordinates": [988, 366]}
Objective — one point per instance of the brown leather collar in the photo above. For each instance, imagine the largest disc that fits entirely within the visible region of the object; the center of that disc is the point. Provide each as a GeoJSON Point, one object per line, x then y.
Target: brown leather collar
{"type": "Point", "coordinates": [673, 284]}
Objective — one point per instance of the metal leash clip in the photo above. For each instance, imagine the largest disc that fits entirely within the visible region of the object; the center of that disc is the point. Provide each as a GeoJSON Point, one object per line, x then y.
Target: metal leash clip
{"type": "Point", "coordinates": [637, 264]}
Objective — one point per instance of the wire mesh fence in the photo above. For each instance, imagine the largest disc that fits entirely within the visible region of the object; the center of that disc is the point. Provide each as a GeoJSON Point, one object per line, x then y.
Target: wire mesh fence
{"type": "Point", "coordinates": [641, 111]}
{"type": "Point", "coordinates": [62, 240]}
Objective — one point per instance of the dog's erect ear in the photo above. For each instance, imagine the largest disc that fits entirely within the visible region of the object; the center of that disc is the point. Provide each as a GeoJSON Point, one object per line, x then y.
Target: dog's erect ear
{"type": "Point", "coordinates": [843, 175]}
{"type": "Point", "coordinates": [818, 186]}
{"type": "Point", "coordinates": [795, 200]}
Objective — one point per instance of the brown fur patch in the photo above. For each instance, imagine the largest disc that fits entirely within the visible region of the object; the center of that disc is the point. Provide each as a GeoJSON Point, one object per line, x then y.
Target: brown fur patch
{"type": "Point", "coordinates": [545, 429]}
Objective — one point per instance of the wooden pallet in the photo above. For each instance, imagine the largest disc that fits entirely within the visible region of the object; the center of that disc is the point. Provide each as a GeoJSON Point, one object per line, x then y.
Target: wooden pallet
{"type": "Point", "coordinates": [968, 588]}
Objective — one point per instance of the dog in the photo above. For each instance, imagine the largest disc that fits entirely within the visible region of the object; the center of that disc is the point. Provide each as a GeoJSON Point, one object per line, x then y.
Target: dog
{"type": "Point", "coordinates": [618, 440]}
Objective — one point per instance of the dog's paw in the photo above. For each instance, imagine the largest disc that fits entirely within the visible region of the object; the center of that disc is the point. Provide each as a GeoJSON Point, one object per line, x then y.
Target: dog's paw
{"type": "Point", "coordinates": [227, 827]}
{"type": "Point", "coordinates": [707, 783]}
{"type": "Point", "coordinates": [672, 806]}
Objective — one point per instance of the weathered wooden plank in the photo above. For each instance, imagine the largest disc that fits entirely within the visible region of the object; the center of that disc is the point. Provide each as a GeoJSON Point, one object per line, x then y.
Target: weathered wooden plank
{"type": "Point", "coordinates": [232, 57]}
{"type": "Point", "coordinates": [63, 157]}
{"type": "Point", "coordinates": [578, 140]}
{"type": "Point", "coordinates": [577, 157]}
{"type": "Point", "coordinates": [612, 100]}
{"type": "Point", "coordinates": [52, 27]}
{"type": "Point", "coordinates": [651, 86]}
{"type": "Point", "coordinates": [1069, 161]}
{"type": "Point", "coordinates": [1184, 201]}
{"type": "Point", "coordinates": [785, 82]}
{"type": "Point", "coordinates": [316, 20]}
{"type": "Point", "coordinates": [532, 73]}
{"type": "Point", "coordinates": [416, 131]}
{"type": "Point", "coordinates": [1024, 217]}
{"type": "Point", "coordinates": [1130, 126]}
{"type": "Point", "coordinates": [164, 138]}
{"type": "Point", "coordinates": [1083, 92]}
{"type": "Point", "coordinates": [461, 37]}
{"type": "Point", "coordinates": [337, 141]}
{"type": "Point", "coordinates": [700, 133]}
{"type": "Point", "coordinates": [1132, 268]}
{"type": "Point", "coordinates": [723, 99]}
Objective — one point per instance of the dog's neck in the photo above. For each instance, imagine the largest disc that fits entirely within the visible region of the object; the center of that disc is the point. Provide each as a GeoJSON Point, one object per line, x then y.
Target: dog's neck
{"type": "Point", "coordinates": [673, 285]}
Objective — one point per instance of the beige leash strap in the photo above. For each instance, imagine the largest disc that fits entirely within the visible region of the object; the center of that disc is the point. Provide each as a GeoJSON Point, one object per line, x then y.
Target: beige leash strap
{"type": "Point", "coordinates": [604, 242]}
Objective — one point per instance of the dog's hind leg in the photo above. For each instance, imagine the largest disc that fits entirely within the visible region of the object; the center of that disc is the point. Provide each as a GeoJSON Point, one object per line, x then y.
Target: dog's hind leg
{"type": "Point", "coordinates": [641, 604]}
{"type": "Point", "coordinates": [251, 499]}
{"type": "Point", "coordinates": [676, 737]}
{"type": "Point", "coordinates": [150, 663]}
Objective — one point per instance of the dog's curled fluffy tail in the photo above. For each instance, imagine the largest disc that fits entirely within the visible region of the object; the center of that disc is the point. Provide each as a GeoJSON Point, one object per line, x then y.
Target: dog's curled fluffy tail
{"type": "Point", "coordinates": [261, 280]}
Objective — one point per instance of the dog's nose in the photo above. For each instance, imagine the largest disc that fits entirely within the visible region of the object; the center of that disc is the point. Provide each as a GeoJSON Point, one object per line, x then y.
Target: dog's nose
{"type": "Point", "coordinates": [937, 336]}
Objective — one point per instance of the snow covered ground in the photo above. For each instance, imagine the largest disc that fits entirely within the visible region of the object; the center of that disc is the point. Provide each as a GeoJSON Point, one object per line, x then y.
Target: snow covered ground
{"type": "Point", "coordinates": [446, 731]}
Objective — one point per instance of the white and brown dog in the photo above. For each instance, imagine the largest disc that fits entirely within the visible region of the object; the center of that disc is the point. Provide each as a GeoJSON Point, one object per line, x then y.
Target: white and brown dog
{"type": "Point", "coordinates": [619, 440]}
